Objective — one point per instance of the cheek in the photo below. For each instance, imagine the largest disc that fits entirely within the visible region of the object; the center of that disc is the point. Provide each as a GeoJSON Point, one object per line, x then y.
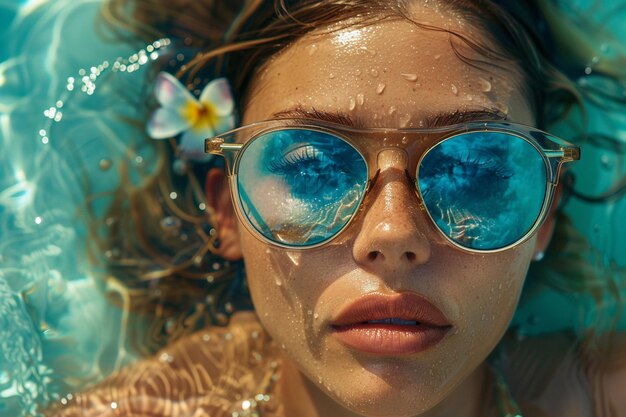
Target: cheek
{"type": "Point", "coordinates": [283, 300]}
{"type": "Point", "coordinates": [489, 301]}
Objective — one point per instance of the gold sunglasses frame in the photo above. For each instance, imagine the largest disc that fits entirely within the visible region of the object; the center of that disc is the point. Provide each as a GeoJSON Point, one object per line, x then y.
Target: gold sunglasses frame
{"type": "Point", "coordinates": [370, 142]}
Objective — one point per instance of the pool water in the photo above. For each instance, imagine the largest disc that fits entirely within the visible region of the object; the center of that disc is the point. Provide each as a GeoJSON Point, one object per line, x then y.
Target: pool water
{"type": "Point", "coordinates": [58, 139]}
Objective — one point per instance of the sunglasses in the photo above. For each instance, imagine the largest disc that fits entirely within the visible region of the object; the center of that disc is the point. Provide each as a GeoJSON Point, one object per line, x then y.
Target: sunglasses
{"type": "Point", "coordinates": [298, 183]}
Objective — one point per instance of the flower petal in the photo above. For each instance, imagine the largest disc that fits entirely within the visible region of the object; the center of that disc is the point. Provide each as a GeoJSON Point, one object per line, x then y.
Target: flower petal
{"type": "Point", "coordinates": [192, 144]}
{"type": "Point", "coordinates": [170, 92]}
{"type": "Point", "coordinates": [224, 124]}
{"type": "Point", "coordinates": [218, 93]}
{"type": "Point", "coordinates": [165, 123]}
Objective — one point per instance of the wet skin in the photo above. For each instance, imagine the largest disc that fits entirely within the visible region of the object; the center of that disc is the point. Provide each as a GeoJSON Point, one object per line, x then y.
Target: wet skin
{"type": "Point", "coordinates": [391, 74]}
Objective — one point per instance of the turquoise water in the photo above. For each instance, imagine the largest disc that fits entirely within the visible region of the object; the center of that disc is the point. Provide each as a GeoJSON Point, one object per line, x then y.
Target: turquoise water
{"type": "Point", "coordinates": [57, 332]}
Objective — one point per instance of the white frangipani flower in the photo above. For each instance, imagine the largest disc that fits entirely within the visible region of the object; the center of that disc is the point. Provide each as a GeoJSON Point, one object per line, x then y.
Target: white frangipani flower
{"type": "Point", "coordinates": [197, 119]}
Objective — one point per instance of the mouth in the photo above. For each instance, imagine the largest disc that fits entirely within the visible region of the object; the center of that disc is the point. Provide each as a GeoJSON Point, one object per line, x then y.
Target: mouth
{"type": "Point", "coordinates": [401, 324]}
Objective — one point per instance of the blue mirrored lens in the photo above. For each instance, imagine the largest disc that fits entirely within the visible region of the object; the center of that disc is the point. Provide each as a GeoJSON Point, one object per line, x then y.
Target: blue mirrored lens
{"type": "Point", "coordinates": [484, 190]}
{"type": "Point", "coordinates": [300, 187]}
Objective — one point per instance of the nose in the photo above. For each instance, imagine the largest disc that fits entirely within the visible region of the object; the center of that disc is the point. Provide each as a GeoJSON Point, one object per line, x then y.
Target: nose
{"type": "Point", "coordinates": [392, 236]}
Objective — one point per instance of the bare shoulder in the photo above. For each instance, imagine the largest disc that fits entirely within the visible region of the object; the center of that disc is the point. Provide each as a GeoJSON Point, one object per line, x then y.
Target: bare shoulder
{"type": "Point", "coordinates": [205, 371]}
{"type": "Point", "coordinates": [557, 375]}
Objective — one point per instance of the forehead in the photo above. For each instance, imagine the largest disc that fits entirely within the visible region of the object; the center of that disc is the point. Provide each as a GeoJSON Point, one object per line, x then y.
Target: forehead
{"type": "Point", "coordinates": [392, 73]}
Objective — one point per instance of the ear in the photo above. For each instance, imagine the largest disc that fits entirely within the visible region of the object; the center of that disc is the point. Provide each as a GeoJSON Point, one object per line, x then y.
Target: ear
{"type": "Point", "coordinates": [544, 234]}
{"type": "Point", "coordinates": [218, 197]}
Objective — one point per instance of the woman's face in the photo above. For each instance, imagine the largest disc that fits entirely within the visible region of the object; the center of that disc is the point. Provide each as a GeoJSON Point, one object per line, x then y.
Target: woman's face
{"type": "Point", "coordinates": [391, 74]}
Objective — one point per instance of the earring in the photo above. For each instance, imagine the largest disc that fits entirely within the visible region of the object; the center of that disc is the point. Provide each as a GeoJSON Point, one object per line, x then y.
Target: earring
{"type": "Point", "coordinates": [538, 256]}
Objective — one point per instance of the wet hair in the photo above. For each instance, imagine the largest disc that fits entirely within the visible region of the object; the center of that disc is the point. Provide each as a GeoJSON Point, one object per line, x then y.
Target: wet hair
{"type": "Point", "coordinates": [171, 279]}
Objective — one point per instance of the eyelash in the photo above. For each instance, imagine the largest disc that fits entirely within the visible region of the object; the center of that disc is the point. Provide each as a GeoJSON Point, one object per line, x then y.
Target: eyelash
{"type": "Point", "coordinates": [291, 160]}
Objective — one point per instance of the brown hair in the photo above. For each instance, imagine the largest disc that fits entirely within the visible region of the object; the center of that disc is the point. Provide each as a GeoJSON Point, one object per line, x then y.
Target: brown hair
{"type": "Point", "coordinates": [166, 277]}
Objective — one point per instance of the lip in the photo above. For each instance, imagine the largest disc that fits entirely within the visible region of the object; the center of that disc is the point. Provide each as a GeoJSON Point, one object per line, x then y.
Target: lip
{"type": "Point", "coordinates": [351, 325]}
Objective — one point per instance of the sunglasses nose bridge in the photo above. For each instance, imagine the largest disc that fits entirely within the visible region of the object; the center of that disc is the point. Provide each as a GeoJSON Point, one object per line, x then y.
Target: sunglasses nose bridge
{"type": "Point", "coordinates": [392, 158]}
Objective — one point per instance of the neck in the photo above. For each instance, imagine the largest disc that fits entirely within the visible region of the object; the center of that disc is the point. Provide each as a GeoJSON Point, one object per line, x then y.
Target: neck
{"type": "Point", "coordinates": [301, 397]}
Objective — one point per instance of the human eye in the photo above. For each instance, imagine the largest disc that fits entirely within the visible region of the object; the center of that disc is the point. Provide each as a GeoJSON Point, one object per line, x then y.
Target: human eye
{"type": "Point", "coordinates": [472, 165]}
{"type": "Point", "coordinates": [476, 171]}
{"type": "Point", "coordinates": [314, 169]}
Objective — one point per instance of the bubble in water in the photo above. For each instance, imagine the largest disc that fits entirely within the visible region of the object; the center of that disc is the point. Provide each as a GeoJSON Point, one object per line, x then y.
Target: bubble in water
{"type": "Point", "coordinates": [455, 90]}
{"type": "Point", "coordinates": [180, 167]}
{"type": "Point", "coordinates": [605, 160]}
{"type": "Point", "coordinates": [588, 70]}
{"type": "Point", "coordinates": [170, 224]}
{"type": "Point", "coordinates": [105, 164]}
{"type": "Point", "coordinates": [409, 77]}
{"type": "Point", "coordinates": [380, 88]}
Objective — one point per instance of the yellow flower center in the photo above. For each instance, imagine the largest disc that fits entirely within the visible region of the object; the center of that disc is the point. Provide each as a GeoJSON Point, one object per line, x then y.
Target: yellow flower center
{"type": "Point", "coordinates": [200, 115]}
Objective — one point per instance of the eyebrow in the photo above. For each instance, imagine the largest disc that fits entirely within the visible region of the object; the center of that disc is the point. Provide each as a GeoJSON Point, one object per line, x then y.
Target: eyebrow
{"type": "Point", "coordinates": [437, 120]}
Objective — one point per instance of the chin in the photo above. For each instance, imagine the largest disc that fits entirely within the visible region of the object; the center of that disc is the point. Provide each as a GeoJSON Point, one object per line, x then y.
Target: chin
{"type": "Point", "coordinates": [397, 395]}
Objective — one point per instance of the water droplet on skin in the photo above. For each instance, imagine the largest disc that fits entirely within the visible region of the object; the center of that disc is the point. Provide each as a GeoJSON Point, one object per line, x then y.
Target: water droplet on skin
{"type": "Point", "coordinates": [374, 73]}
{"type": "Point", "coordinates": [455, 90]}
{"type": "Point", "coordinates": [357, 72]}
{"type": "Point", "coordinates": [485, 85]}
{"type": "Point", "coordinates": [391, 110]}
{"type": "Point", "coordinates": [380, 88]}
{"type": "Point", "coordinates": [469, 98]}
{"type": "Point", "coordinates": [277, 280]}
{"type": "Point", "coordinates": [503, 108]}
{"type": "Point", "coordinates": [316, 316]}
{"type": "Point", "coordinates": [405, 140]}
{"type": "Point", "coordinates": [311, 49]}
{"type": "Point", "coordinates": [404, 120]}
{"type": "Point", "coordinates": [352, 104]}
{"type": "Point", "coordinates": [437, 56]}
{"type": "Point", "coordinates": [331, 75]}
{"type": "Point", "coordinates": [410, 77]}
{"type": "Point", "coordinates": [309, 312]}
{"type": "Point", "coordinates": [105, 164]}
{"type": "Point", "coordinates": [360, 99]}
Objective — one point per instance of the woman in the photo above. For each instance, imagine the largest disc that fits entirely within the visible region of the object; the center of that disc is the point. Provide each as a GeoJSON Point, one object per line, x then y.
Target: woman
{"type": "Point", "coordinates": [387, 205]}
